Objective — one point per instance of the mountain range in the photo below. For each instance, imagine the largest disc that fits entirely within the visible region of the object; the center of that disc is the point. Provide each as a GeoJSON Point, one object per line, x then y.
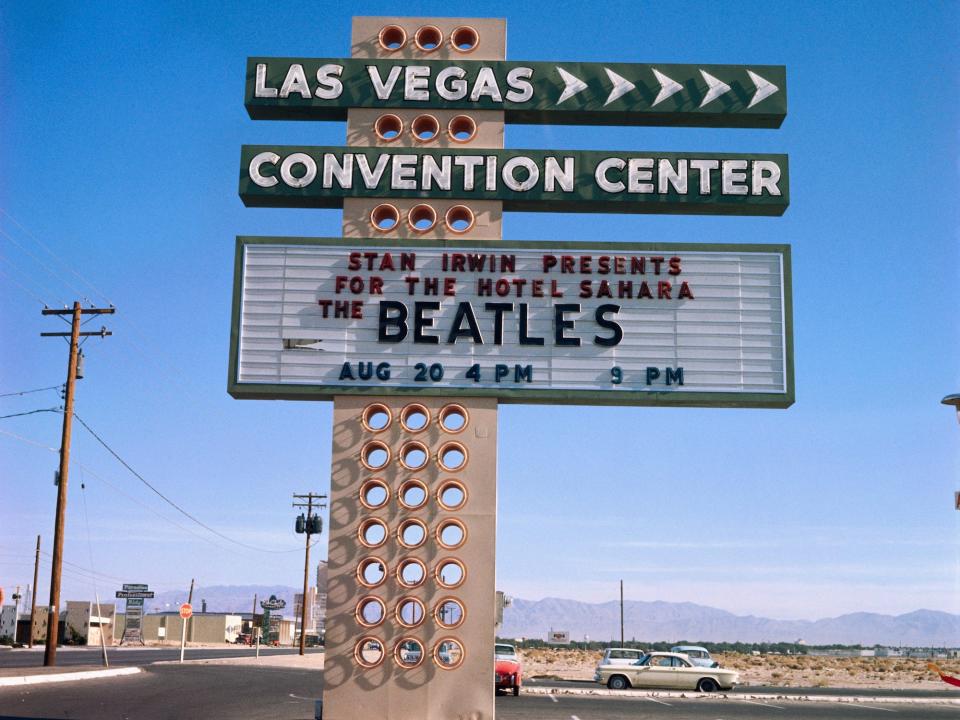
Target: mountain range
{"type": "Point", "coordinates": [644, 621]}
{"type": "Point", "coordinates": [666, 621]}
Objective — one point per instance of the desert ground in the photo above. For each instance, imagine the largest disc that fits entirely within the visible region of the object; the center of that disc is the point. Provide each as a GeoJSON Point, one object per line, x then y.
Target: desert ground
{"type": "Point", "coordinates": [783, 670]}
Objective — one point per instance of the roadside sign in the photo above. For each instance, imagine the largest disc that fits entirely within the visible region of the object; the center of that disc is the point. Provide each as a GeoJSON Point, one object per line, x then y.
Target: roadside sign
{"type": "Point", "coordinates": [567, 93]}
{"type": "Point", "coordinates": [128, 594]}
{"type": "Point", "coordinates": [186, 611]}
{"type": "Point", "coordinates": [587, 323]}
{"type": "Point", "coordinates": [558, 637]}
{"type": "Point", "coordinates": [652, 182]}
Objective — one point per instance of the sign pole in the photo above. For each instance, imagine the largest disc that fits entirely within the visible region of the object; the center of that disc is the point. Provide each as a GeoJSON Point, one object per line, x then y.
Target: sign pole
{"type": "Point", "coordinates": [183, 629]}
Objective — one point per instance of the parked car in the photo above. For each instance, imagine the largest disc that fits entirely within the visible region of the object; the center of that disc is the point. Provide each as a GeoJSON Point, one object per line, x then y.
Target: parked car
{"type": "Point", "coordinates": [698, 655]}
{"type": "Point", "coordinates": [507, 671]}
{"type": "Point", "coordinates": [670, 671]}
{"type": "Point", "coordinates": [621, 656]}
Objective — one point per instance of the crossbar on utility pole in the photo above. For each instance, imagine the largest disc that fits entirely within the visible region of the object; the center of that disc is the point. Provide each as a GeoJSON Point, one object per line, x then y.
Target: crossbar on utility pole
{"type": "Point", "coordinates": [306, 563]}
{"type": "Point", "coordinates": [53, 614]}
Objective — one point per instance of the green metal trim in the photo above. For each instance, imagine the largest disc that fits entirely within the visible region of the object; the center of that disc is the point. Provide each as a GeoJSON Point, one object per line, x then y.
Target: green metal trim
{"type": "Point", "coordinates": [592, 105]}
{"type": "Point", "coordinates": [255, 391]}
{"type": "Point", "coordinates": [585, 196]}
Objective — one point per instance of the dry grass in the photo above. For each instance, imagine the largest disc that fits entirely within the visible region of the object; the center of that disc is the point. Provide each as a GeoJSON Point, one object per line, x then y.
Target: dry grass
{"type": "Point", "coordinates": [783, 670]}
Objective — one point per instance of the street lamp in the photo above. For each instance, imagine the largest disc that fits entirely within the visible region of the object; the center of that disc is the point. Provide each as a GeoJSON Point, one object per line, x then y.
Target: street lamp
{"type": "Point", "coordinates": [954, 400]}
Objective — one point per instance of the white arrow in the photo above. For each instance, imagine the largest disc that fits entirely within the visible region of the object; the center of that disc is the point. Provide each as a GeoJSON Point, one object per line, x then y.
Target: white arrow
{"type": "Point", "coordinates": [621, 86]}
{"type": "Point", "coordinates": [668, 87]}
{"type": "Point", "coordinates": [765, 88]}
{"type": "Point", "coordinates": [717, 88]}
{"type": "Point", "coordinates": [573, 85]}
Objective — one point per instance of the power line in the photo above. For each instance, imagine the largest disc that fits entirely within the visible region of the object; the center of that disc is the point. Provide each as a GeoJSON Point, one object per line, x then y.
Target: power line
{"type": "Point", "coordinates": [31, 412]}
{"type": "Point", "coordinates": [168, 500]}
{"type": "Point", "coordinates": [129, 497]}
{"type": "Point", "coordinates": [27, 392]}
{"type": "Point", "coordinates": [53, 255]}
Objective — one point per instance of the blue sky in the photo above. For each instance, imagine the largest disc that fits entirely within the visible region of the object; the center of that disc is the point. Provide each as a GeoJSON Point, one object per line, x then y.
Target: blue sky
{"type": "Point", "coordinates": [120, 133]}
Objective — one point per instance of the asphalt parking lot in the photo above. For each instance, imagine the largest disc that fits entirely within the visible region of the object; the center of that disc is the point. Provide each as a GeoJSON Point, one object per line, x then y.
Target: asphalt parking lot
{"type": "Point", "coordinates": [226, 691]}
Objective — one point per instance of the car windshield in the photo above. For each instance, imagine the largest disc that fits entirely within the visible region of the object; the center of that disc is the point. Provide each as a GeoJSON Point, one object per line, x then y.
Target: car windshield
{"type": "Point", "coordinates": [644, 660]}
{"type": "Point", "coordinates": [504, 651]}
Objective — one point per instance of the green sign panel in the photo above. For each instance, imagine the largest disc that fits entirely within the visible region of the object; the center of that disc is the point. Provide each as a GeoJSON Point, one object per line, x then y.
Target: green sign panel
{"type": "Point", "coordinates": [571, 93]}
{"type": "Point", "coordinates": [524, 180]}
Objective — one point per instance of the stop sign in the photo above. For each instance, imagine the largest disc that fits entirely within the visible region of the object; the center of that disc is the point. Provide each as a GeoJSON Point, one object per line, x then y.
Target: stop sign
{"type": "Point", "coordinates": [186, 610]}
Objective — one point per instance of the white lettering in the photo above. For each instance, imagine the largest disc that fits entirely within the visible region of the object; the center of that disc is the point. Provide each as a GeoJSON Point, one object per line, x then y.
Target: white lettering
{"type": "Point", "coordinates": [259, 161]}
{"type": "Point", "coordinates": [329, 86]}
{"type": "Point", "coordinates": [518, 80]}
{"type": "Point", "coordinates": [601, 175]}
{"type": "Point", "coordinates": [457, 89]}
{"type": "Point", "coordinates": [638, 170]}
{"type": "Point", "coordinates": [441, 173]}
{"type": "Point", "coordinates": [381, 88]}
{"type": "Point", "coordinates": [295, 82]}
{"type": "Point", "coordinates": [372, 179]}
{"type": "Point", "coordinates": [766, 175]}
{"type": "Point", "coordinates": [261, 89]}
{"type": "Point", "coordinates": [403, 172]}
{"type": "Point", "coordinates": [491, 179]}
{"type": "Point", "coordinates": [486, 85]}
{"type": "Point", "coordinates": [704, 167]}
{"type": "Point", "coordinates": [510, 180]}
{"type": "Point", "coordinates": [415, 84]}
{"type": "Point", "coordinates": [553, 175]}
{"type": "Point", "coordinates": [469, 163]}
{"type": "Point", "coordinates": [286, 170]}
{"type": "Point", "coordinates": [734, 177]}
{"type": "Point", "coordinates": [666, 176]}
{"type": "Point", "coordinates": [333, 169]}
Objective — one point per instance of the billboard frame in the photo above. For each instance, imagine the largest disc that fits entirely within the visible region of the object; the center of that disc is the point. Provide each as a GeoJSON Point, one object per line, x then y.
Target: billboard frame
{"type": "Point", "coordinates": [288, 391]}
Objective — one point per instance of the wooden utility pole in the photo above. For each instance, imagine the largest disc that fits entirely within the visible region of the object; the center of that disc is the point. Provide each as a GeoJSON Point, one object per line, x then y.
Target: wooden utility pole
{"type": "Point", "coordinates": [33, 597]}
{"type": "Point", "coordinates": [621, 613]}
{"type": "Point", "coordinates": [306, 563]}
{"type": "Point", "coordinates": [53, 616]}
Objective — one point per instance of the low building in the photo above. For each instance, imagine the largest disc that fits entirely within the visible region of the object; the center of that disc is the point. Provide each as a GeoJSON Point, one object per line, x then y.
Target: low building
{"type": "Point", "coordinates": [85, 622]}
{"type": "Point", "coordinates": [8, 622]}
{"type": "Point", "coordinates": [166, 627]}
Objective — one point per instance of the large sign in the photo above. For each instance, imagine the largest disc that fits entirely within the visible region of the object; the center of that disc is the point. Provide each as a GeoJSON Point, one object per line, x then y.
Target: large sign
{"type": "Point", "coordinates": [526, 92]}
{"type": "Point", "coordinates": [580, 323]}
{"type": "Point", "coordinates": [525, 180]}
{"type": "Point", "coordinates": [134, 593]}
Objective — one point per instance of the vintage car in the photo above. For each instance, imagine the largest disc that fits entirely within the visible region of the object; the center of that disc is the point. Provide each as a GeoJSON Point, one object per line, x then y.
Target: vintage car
{"type": "Point", "coordinates": [621, 656]}
{"type": "Point", "coordinates": [669, 671]}
{"type": "Point", "coordinates": [506, 668]}
{"type": "Point", "coordinates": [698, 655]}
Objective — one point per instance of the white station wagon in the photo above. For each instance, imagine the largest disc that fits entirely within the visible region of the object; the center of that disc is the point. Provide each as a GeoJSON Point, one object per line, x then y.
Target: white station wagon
{"type": "Point", "coordinates": [669, 671]}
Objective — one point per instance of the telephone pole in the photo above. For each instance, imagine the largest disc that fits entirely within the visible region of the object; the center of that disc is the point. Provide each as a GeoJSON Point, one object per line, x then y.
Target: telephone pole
{"type": "Point", "coordinates": [311, 525]}
{"type": "Point", "coordinates": [33, 598]}
{"type": "Point", "coordinates": [53, 616]}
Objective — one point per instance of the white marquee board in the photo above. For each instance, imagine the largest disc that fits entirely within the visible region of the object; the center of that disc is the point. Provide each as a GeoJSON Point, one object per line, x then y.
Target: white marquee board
{"type": "Point", "coordinates": [535, 322]}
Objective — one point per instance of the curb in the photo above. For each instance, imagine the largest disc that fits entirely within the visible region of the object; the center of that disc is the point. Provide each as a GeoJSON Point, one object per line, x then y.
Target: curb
{"type": "Point", "coordinates": [66, 677]}
{"type": "Point", "coordinates": [755, 697]}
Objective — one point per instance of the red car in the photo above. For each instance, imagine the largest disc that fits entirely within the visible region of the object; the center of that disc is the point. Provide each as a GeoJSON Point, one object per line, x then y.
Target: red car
{"type": "Point", "coordinates": [507, 670]}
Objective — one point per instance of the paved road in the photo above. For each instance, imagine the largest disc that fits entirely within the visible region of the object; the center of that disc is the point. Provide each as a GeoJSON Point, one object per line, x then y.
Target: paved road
{"type": "Point", "coordinates": [946, 693]}
{"type": "Point", "coordinates": [131, 656]}
{"type": "Point", "coordinates": [226, 692]}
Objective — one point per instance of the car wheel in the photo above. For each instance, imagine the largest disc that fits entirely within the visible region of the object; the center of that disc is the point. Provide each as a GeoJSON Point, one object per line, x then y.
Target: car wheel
{"type": "Point", "coordinates": [516, 691]}
{"type": "Point", "coordinates": [707, 685]}
{"type": "Point", "coordinates": [618, 682]}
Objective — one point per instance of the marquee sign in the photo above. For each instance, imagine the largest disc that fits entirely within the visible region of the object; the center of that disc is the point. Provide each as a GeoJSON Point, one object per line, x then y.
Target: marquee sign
{"type": "Point", "coordinates": [526, 92]}
{"type": "Point", "coordinates": [524, 180]}
{"type": "Point", "coordinates": [558, 322]}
